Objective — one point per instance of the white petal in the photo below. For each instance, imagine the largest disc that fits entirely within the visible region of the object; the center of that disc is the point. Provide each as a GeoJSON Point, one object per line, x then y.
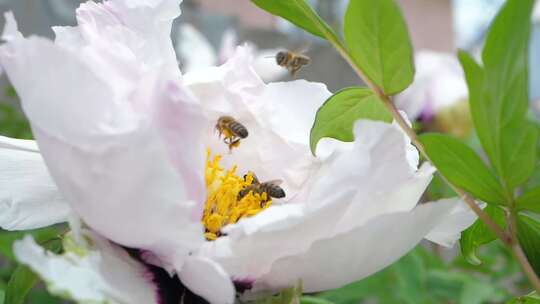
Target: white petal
{"type": "Point", "coordinates": [207, 279]}
{"type": "Point", "coordinates": [334, 262]}
{"type": "Point", "coordinates": [29, 198]}
{"type": "Point", "coordinates": [448, 231]}
{"type": "Point", "coordinates": [146, 21]}
{"type": "Point", "coordinates": [11, 30]}
{"type": "Point", "coordinates": [104, 273]}
{"type": "Point", "coordinates": [195, 50]}
{"type": "Point", "coordinates": [115, 157]}
{"type": "Point", "coordinates": [227, 47]}
{"type": "Point", "coordinates": [289, 108]}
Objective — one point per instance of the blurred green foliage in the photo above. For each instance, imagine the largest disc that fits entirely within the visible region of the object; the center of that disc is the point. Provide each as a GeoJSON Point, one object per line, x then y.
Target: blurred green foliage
{"type": "Point", "coordinates": [423, 277]}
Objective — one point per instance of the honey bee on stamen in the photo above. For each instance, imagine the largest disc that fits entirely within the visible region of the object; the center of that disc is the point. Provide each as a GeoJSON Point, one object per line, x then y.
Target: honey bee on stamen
{"type": "Point", "coordinates": [271, 188]}
{"type": "Point", "coordinates": [292, 61]}
{"type": "Point", "coordinates": [232, 131]}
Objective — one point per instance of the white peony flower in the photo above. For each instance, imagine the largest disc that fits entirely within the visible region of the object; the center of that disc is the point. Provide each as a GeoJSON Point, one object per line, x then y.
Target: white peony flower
{"type": "Point", "coordinates": [439, 83]}
{"type": "Point", "coordinates": [131, 148]}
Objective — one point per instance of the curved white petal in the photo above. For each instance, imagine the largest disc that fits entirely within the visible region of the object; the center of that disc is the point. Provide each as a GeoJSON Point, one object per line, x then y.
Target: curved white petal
{"type": "Point", "coordinates": [116, 149]}
{"type": "Point", "coordinates": [289, 108]}
{"type": "Point", "coordinates": [207, 279]}
{"type": "Point", "coordinates": [11, 30]}
{"type": "Point", "coordinates": [29, 198]}
{"type": "Point", "coordinates": [448, 231]}
{"type": "Point", "coordinates": [102, 273]}
{"type": "Point", "coordinates": [347, 257]}
{"type": "Point", "coordinates": [194, 49]}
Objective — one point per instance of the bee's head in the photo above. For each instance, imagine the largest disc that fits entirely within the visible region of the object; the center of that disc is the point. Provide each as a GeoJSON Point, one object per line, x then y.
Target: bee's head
{"type": "Point", "coordinates": [281, 57]}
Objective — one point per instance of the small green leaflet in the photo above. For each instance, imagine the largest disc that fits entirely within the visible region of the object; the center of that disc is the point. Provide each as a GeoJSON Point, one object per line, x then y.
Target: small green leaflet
{"type": "Point", "coordinates": [336, 117]}
{"type": "Point", "coordinates": [378, 41]}
{"type": "Point", "coordinates": [479, 234]}
{"type": "Point", "coordinates": [463, 167]}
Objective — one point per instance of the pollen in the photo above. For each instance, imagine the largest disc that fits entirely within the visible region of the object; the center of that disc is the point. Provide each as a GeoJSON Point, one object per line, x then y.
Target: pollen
{"type": "Point", "coordinates": [223, 205]}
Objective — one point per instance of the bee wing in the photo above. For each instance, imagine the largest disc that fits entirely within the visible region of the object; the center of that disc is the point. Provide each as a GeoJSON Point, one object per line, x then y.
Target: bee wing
{"type": "Point", "coordinates": [275, 182]}
{"type": "Point", "coordinates": [304, 48]}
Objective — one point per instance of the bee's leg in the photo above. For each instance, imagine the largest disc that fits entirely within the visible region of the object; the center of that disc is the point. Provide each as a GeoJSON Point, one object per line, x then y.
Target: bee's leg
{"type": "Point", "coordinates": [294, 70]}
{"type": "Point", "coordinates": [234, 144]}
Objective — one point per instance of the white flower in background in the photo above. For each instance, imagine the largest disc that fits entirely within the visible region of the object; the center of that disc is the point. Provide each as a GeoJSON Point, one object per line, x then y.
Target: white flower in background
{"type": "Point", "coordinates": [197, 52]}
{"type": "Point", "coordinates": [439, 83]}
{"type": "Point", "coordinates": [536, 12]}
{"type": "Point", "coordinates": [131, 148]}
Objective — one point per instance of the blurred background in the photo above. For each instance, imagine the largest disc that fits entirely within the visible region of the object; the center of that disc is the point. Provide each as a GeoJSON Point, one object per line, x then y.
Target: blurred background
{"type": "Point", "coordinates": [207, 33]}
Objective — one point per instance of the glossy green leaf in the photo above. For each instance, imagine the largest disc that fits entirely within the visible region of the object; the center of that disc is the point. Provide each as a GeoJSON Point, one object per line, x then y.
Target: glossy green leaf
{"type": "Point", "coordinates": [462, 167]}
{"type": "Point", "coordinates": [499, 95]}
{"type": "Point", "coordinates": [300, 14]}
{"type": "Point", "coordinates": [21, 282]}
{"type": "Point", "coordinates": [530, 200]}
{"type": "Point", "coordinates": [336, 117]}
{"type": "Point", "coordinates": [529, 239]}
{"type": "Point", "coordinates": [478, 234]}
{"type": "Point", "coordinates": [378, 41]}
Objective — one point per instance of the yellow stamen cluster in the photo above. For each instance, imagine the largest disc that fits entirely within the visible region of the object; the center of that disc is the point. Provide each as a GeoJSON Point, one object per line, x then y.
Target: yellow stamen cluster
{"type": "Point", "coordinates": [223, 205]}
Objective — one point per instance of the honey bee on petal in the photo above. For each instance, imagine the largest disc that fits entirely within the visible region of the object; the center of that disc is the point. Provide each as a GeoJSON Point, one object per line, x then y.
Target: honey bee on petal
{"type": "Point", "coordinates": [231, 130]}
{"type": "Point", "coordinates": [271, 188]}
{"type": "Point", "coordinates": [292, 61]}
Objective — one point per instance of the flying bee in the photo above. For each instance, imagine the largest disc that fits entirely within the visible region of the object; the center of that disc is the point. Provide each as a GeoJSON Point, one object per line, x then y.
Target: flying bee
{"type": "Point", "coordinates": [271, 188]}
{"type": "Point", "coordinates": [292, 61]}
{"type": "Point", "coordinates": [232, 131]}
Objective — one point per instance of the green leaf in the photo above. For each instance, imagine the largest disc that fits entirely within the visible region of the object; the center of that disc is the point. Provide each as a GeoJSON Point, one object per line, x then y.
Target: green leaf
{"type": "Point", "coordinates": [499, 95]}
{"type": "Point", "coordinates": [21, 282]}
{"type": "Point", "coordinates": [531, 298]}
{"type": "Point", "coordinates": [378, 41]}
{"type": "Point", "coordinates": [7, 238]}
{"type": "Point", "coordinates": [462, 167]}
{"type": "Point", "coordinates": [478, 234]}
{"type": "Point", "coordinates": [530, 200]}
{"type": "Point", "coordinates": [336, 117]}
{"type": "Point", "coordinates": [529, 239]}
{"type": "Point", "coordinates": [300, 14]}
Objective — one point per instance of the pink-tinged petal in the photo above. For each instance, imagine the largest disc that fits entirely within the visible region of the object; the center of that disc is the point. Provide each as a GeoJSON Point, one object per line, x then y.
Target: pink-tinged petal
{"type": "Point", "coordinates": [117, 158]}
{"type": "Point", "coordinates": [207, 279]}
{"type": "Point", "coordinates": [102, 273]}
{"type": "Point", "coordinates": [333, 262]}
{"type": "Point", "coordinates": [29, 198]}
{"type": "Point", "coordinates": [448, 231]}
